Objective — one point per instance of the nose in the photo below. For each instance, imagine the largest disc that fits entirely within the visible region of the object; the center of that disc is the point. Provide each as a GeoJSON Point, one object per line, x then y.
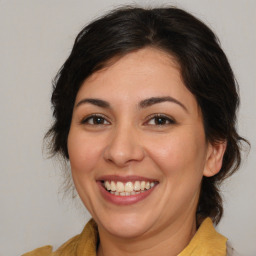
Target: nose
{"type": "Point", "coordinates": [124, 147]}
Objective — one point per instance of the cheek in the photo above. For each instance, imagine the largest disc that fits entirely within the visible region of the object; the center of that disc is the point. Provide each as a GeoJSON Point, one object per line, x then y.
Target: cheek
{"type": "Point", "coordinates": [83, 153]}
{"type": "Point", "coordinates": [179, 154]}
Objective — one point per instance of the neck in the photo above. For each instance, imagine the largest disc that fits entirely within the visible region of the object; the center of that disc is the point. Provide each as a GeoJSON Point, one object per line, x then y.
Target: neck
{"type": "Point", "coordinates": [170, 241]}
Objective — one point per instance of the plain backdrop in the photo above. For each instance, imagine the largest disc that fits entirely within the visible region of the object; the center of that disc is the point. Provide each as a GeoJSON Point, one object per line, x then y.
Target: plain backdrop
{"type": "Point", "coordinates": [35, 39]}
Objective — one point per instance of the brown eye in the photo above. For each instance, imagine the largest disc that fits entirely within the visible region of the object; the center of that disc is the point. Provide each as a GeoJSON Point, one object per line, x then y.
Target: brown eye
{"type": "Point", "coordinates": [160, 120]}
{"type": "Point", "coordinates": [95, 120]}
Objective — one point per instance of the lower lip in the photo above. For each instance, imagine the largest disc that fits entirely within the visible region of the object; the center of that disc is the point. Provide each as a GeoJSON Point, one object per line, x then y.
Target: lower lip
{"type": "Point", "coordinates": [124, 200]}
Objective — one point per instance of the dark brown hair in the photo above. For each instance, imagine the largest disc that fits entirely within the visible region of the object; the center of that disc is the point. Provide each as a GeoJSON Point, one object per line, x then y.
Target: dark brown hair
{"type": "Point", "coordinates": [204, 68]}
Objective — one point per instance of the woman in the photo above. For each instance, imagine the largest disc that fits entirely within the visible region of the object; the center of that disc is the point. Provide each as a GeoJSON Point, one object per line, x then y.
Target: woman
{"type": "Point", "coordinates": [145, 111]}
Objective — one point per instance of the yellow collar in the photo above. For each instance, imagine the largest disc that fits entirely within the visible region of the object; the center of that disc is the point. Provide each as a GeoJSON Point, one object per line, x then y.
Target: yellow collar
{"type": "Point", "coordinates": [206, 241]}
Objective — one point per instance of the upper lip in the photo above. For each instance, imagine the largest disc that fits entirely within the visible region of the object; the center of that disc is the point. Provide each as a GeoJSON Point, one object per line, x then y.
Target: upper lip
{"type": "Point", "coordinates": [124, 178]}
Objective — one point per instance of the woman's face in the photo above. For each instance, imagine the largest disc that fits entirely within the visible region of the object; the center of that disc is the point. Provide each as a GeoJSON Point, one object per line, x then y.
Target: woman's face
{"type": "Point", "coordinates": [137, 146]}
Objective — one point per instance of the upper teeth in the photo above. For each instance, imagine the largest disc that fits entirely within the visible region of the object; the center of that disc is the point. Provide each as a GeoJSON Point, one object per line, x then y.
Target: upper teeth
{"type": "Point", "coordinates": [128, 186]}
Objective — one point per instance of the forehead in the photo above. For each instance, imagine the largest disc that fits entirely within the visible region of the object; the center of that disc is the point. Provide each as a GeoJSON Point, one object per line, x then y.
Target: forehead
{"type": "Point", "coordinates": [140, 74]}
{"type": "Point", "coordinates": [146, 60]}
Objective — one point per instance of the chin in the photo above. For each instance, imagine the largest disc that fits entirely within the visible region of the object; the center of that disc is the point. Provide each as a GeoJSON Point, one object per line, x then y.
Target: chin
{"type": "Point", "coordinates": [127, 226]}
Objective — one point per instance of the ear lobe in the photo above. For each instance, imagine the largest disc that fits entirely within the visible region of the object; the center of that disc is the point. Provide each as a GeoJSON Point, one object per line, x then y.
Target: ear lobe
{"type": "Point", "coordinates": [214, 158]}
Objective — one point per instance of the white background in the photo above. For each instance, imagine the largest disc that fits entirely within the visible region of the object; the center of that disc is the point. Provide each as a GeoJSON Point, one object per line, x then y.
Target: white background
{"type": "Point", "coordinates": [35, 39]}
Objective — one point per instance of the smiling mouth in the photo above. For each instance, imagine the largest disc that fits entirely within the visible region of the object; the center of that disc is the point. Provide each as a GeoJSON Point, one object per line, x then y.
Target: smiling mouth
{"type": "Point", "coordinates": [129, 188]}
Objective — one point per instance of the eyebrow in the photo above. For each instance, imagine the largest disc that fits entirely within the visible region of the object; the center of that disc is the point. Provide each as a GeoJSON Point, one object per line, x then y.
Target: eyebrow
{"type": "Point", "coordinates": [155, 100]}
{"type": "Point", "coordinates": [96, 102]}
{"type": "Point", "coordinates": [143, 104]}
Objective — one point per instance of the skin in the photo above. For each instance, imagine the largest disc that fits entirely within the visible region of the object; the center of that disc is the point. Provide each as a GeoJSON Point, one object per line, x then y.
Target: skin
{"type": "Point", "coordinates": [129, 139]}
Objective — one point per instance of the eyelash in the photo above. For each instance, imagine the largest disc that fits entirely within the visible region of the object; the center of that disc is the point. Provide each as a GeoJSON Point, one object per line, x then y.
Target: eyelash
{"type": "Point", "coordinates": [165, 119]}
{"type": "Point", "coordinates": [94, 117]}
{"type": "Point", "coordinates": [162, 120]}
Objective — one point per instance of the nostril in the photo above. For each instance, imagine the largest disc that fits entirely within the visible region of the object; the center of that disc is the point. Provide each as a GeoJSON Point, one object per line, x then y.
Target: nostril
{"type": "Point", "coordinates": [123, 153]}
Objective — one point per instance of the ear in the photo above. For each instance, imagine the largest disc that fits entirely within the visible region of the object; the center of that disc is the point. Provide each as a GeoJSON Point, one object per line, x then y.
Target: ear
{"type": "Point", "coordinates": [214, 158]}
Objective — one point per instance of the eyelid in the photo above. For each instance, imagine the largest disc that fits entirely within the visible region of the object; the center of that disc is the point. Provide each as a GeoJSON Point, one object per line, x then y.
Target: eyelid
{"type": "Point", "coordinates": [85, 119]}
{"type": "Point", "coordinates": [171, 120]}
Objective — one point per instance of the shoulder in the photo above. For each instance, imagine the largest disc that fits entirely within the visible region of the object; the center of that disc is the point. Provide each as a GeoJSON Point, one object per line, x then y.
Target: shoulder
{"type": "Point", "coordinates": [84, 242]}
{"type": "Point", "coordinates": [42, 251]}
{"type": "Point", "coordinates": [68, 247]}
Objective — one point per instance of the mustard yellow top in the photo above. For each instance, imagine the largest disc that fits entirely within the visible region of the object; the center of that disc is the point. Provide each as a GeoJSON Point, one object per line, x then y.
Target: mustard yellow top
{"type": "Point", "coordinates": [207, 241]}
